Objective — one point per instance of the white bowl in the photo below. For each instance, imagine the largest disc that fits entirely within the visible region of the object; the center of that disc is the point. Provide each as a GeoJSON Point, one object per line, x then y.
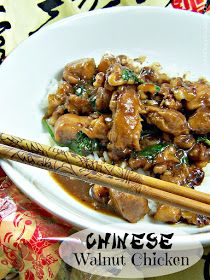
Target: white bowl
{"type": "Point", "coordinates": [179, 40]}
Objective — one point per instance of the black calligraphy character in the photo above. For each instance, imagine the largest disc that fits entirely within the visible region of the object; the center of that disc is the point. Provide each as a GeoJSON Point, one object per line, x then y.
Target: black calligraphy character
{"type": "Point", "coordinates": [48, 6]}
{"type": "Point", "coordinates": [4, 25]}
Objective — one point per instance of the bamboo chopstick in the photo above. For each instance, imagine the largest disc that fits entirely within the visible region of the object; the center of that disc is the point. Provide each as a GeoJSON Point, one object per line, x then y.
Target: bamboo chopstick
{"type": "Point", "coordinates": [102, 167]}
{"type": "Point", "coordinates": [106, 180]}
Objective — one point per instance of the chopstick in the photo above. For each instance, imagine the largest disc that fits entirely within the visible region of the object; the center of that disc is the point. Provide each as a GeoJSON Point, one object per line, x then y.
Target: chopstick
{"type": "Point", "coordinates": [92, 176]}
{"type": "Point", "coordinates": [102, 167]}
{"type": "Point", "coordinates": [95, 177]}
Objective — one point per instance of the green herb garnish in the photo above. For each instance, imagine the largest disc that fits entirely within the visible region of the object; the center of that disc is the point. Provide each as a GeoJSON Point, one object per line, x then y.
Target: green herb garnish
{"type": "Point", "coordinates": [82, 145]}
{"type": "Point", "coordinates": [128, 74]}
{"type": "Point", "coordinates": [184, 160]}
{"type": "Point", "coordinates": [157, 88]}
{"type": "Point", "coordinates": [92, 100]}
{"type": "Point", "coordinates": [79, 90]}
{"type": "Point", "coordinates": [151, 152]}
{"type": "Point", "coordinates": [203, 139]}
{"type": "Point", "coordinates": [48, 128]}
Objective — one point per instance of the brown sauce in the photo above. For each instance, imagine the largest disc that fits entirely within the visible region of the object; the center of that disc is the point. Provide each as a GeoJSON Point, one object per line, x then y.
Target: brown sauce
{"type": "Point", "coordinates": [81, 192]}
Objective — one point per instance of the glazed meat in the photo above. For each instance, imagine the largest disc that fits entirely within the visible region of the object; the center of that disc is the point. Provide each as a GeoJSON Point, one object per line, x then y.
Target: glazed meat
{"type": "Point", "coordinates": [168, 214]}
{"type": "Point", "coordinates": [130, 207]}
{"type": "Point", "coordinates": [167, 120]}
{"type": "Point", "coordinates": [78, 105]}
{"type": "Point", "coordinates": [103, 98]}
{"type": "Point", "coordinates": [55, 100]}
{"type": "Point", "coordinates": [184, 141]}
{"type": "Point", "coordinates": [97, 129]}
{"type": "Point", "coordinates": [199, 154]}
{"type": "Point", "coordinates": [106, 61]}
{"type": "Point", "coordinates": [126, 127]}
{"type": "Point", "coordinates": [200, 121]}
{"type": "Point", "coordinates": [82, 69]}
{"type": "Point", "coordinates": [68, 125]}
{"type": "Point", "coordinates": [183, 175]}
{"type": "Point", "coordinates": [202, 97]}
{"type": "Point", "coordinates": [136, 117]}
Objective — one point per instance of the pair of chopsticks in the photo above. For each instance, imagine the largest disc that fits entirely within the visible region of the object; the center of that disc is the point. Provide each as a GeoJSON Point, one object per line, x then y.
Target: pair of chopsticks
{"type": "Point", "coordinates": [111, 176]}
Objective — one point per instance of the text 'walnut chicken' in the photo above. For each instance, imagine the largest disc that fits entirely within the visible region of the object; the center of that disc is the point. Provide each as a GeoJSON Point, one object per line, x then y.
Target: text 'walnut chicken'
{"type": "Point", "coordinates": [137, 117]}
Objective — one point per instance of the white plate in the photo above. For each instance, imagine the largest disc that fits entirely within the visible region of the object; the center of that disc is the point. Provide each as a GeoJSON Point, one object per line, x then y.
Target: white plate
{"type": "Point", "coordinates": [178, 40]}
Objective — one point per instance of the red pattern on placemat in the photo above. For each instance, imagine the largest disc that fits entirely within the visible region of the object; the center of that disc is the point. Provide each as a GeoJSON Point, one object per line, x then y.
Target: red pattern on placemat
{"type": "Point", "coordinates": [28, 235]}
{"type": "Point", "coordinates": [192, 5]}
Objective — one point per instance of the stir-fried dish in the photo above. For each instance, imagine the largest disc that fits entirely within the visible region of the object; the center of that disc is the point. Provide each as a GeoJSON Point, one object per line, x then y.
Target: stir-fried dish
{"type": "Point", "coordinates": [139, 118]}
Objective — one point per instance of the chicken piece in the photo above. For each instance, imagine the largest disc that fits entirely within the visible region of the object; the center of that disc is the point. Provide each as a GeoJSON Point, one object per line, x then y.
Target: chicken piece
{"type": "Point", "coordinates": [126, 127]}
{"type": "Point", "coordinates": [97, 129]}
{"type": "Point", "coordinates": [167, 120]}
{"type": "Point", "coordinates": [140, 162]}
{"type": "Point", "coordinates": [202, 97]}
{"type": "Point", "coordinates": [130, 207]}
{"type": "Point", "coordinates": [68, 125]}
{"type": "Point", "coordinates": [99, 80]}
{"type": "Point", "coordinates": [184, 175]}
{"type": "Point", "coordinates": [103, 98]}
{"type": "Point", "coordinates": [78, 105]}
{"type": "Point", "coordinates": [165, 160]}
{"type": "Point", "coordinates": [193, 219]}
{"type": "Point", "coordinates": [64, 89]}
{"type": "Point", "coordinates": [99, 193]}
{"type": "Point", "coordinates": [166, 156]}
{"type": "Point", "coordinates": [114, 75]}
{"type": "Point", "coordinates": [184, 141]}
{"type": "Point", "coordinates": [53, 103]}
{"type": "Point", "coordinates": [59, 98]}
{"type": "Point", "coordinates": [148, 88]}
{"type": "Point", "coordinates": [159, 163]}
{"type": "Point", "coordinates": [167, 214]}
{"type": "Point", "coordinates": [199, 153]}
{"type": "Point", "coordinates": [160, 168]}
{"type": "Point", "coordinates": [177, 174]}
{"type": "Point", "coordinates": [82, 69]}
{"type": "Point", "coordinates": [149, 140]}
{"type": "Point", "coordinates": [106, 61]}
{"type": "Point", "coordinates": [59, 111]}
{"type": "Point", "coordinates": [200, 121]}
{"type": "Point", "coordinates": [189, 217]}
